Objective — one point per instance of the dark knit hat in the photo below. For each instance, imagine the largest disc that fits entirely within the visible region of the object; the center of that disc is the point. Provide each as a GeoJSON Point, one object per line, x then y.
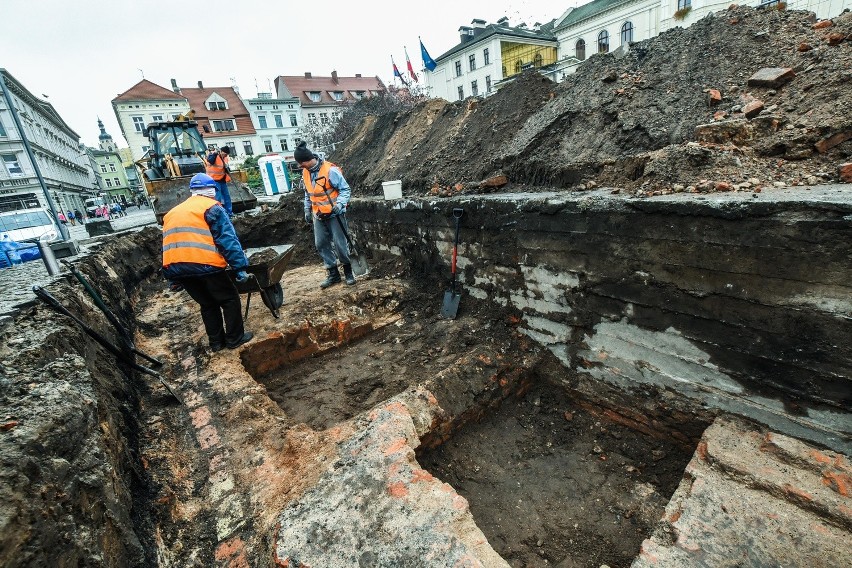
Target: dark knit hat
{"type": "Point", "coordinates": [302, 154]}
{"type": "Point", "coordinates": [226, 149]}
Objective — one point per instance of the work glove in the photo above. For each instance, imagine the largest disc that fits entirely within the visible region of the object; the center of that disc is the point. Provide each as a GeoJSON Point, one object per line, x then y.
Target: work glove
{"type": "Point", "coordinates": [308, 218]}
{"type": "Point", "coordinates": [339, 209]}
{"type": "Point", "coordinates": [175, 286]}
{"type": "Point", "coordinates": [242, 276]}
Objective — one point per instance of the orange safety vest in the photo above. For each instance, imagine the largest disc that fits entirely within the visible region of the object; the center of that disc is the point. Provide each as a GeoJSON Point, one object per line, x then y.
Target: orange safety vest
{"type": "Point", "coordinates": [319, 200]}
{"type": "Point", "coordinates": [187, 237]}
{"type": "Point", "coordinates": [217, 169]}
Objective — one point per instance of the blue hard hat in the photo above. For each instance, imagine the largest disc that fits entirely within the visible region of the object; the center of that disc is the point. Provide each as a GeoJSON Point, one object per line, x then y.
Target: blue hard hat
{"type": "Point", "coordinates": [201, 180]}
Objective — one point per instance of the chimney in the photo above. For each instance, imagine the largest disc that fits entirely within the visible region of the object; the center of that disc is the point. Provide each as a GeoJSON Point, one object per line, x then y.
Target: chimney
{"type": "Point", "coordinates": [307, 74]}
{"type": "Point", "coordinates": [175, 88]}
{"type": "Point", "coordinates": [358, 75]}
{"type": "Point", "coordinates": [465, 34]}
{"type": "Point", "coordinates": [334, 78]}
{"type": "Point", "coordinates": [200, 85]}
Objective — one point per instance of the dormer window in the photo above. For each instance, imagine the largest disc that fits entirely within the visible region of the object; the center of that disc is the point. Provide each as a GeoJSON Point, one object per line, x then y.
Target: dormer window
{"type": "Point", "coordinates": [359, 94]}
{"type": "Point", "coordinates": [338, 95]}
{"type": "Point", "coordinates": [215, 102]}
{"type": "Point", "coordinates": [315, 96]}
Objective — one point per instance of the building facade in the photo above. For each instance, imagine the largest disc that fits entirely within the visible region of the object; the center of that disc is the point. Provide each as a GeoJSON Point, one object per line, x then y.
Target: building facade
{"type": "Point", "coordinates": [223, 119]}
{"type": "Point", "coordinates": [144, 103]}
{"type": "Point", "coordinates": [487, 55]}
{"type": "Point", "coordinates": [277, 122]}
{"type": "Point", "coordinates": [322, 99]}
{"type": "Point", "coordinates": [55, 149]}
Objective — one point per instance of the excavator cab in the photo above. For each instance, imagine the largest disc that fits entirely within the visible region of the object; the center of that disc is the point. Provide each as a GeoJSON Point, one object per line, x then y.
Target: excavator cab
{"type": "Point", "coordinates": [176, 149]}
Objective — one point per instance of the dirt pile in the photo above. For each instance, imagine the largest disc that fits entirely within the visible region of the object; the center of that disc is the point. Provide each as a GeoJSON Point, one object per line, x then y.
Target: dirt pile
{"type": "Point", "coordinates": [679, 112]}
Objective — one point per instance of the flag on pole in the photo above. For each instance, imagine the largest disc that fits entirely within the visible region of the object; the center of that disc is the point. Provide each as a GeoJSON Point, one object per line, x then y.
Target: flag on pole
{"type": "Point", "coordinates": [410, 68]}
{"type": "Point", "coordinates": [397, 74]}
{"type": "Point", "coordinates": [428, 62]}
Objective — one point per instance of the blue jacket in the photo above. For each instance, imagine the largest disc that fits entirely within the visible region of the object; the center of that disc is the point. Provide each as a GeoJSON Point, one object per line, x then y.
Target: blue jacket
{"type": "Point", "coordinates": [336, 179]}
{"type": "Point", "coordinates": [226, 241]}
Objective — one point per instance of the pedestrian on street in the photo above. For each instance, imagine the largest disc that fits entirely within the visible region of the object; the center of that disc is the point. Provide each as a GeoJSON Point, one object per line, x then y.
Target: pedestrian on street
{"type": "Point", "coordinates": [79, 215]}
{"type": "Point", "coordinates": [326, 196]}
{"type": "Point", "coordinates": [62, 218]}
{"type": "Point", "coordinates": [199, 243]}
{"type": "Point", "coordinates": [70, 216]}
{"type": "Point", "coordinates": [218, 169]}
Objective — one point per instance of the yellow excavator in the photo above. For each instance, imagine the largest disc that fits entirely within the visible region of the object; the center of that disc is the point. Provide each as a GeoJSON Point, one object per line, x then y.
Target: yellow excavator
{"type": "Point", "coordinates": [176, 153]}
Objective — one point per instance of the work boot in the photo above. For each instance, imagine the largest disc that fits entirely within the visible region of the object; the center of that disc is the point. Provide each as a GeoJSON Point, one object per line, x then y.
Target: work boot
{"type": "Point", "coordinates": [247, 336]}
{"type": "Point", "coordinates": [333, 277]}
{"type": "Point", "coordinates": [347, 273]}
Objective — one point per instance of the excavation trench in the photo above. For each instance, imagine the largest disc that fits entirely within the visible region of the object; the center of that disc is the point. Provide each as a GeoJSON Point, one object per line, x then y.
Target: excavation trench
{"type": "Point", "coordinates": [551, 476]}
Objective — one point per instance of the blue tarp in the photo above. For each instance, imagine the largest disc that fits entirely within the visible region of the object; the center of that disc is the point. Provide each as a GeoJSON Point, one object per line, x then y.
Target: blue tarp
{"type": "Point", "coordinates": [12, 252]}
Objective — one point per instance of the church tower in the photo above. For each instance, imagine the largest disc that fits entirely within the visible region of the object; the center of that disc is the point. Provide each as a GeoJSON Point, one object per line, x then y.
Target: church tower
{"type": "Point", "coordinates": [105, 140]}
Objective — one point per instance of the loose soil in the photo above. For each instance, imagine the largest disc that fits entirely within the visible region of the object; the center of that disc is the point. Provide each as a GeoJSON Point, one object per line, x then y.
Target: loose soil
{"type": "Point", "coordinates": [551, 484]}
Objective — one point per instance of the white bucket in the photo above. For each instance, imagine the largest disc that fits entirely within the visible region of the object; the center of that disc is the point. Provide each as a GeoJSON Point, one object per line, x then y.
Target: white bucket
{"type": "Point", "coordinates": [392, 189]}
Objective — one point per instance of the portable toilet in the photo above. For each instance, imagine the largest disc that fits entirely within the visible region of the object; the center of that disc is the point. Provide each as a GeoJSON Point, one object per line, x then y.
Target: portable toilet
{"type": "Point", "coordinates": [273, 170]}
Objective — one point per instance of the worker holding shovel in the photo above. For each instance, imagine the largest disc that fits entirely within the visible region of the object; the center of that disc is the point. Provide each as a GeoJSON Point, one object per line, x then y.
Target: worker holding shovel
{"type": "Point", "coordinates": [326, 197]}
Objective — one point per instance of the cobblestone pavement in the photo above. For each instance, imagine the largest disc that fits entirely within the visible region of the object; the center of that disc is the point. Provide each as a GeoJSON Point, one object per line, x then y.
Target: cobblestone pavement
{"type": "Point", "coordinates": [16, 283]}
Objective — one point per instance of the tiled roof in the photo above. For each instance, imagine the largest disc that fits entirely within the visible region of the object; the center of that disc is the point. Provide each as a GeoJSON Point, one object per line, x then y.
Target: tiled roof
{"type": "Point", "coordinates": [543, 33]}
{"type": "Point", "coordinates": [146, 90]}
{"type": "Point", "coordinates": [236, 110]}
{"type": "Point", "coordinates": [300, 85]}
{"type": "Point", "coordinates": [586, 11]}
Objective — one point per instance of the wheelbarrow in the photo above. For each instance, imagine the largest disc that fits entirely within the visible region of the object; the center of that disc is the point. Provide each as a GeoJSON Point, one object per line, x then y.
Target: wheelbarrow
{"type": "Point", "coordinates": [265, 278]}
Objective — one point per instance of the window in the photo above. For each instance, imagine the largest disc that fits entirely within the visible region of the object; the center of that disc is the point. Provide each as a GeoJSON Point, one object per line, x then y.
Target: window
{"type": "Point", "coordinates": [247, 148]}
{"type": "Point", "coordinates": [603, 42]}
{"type": "Point", "coordinates": [458, 68]}
{"type": "Point", "coordinates": [211, 106]}
{"type": "Point", "coordinates": [518, 66]}
{"type": "Point", "coordinates": [488, 83]}
{"type": "Point", "coordinates": [222, 125]}
{"type": "Point", "coordinates": [681, 4]}
{"type": "Point", "coordinates": [279, 121]}
{"type": "Point", "coordinates": [293, 120]}
{"type": "Point", "coordinates": [108, 182]}
{"type": "Point", "coordinates": [474, 90]}
{"type": "Point", "coordinates": [267, 145]}
{"type": "Point", "coordinates": [103, 168]}
{"type": "Point", "coordinates": [461, 93]}
{"type": "Point", "coordinates": [284, 146]}
{"type": "Point", "coordinates": [315, 96]}
{"type": "Point", "coordinates": [116, 181]}
{"type": "Point", "coordinates": [486, 57]}
{"type": "Point", "coordinates": [580, 50]}
{"type": "Point", "coordinates": [338, 95]}
{"type": "Point", "coordinates": [626, 33]}
{"type": "Point", "coordinates": [221, 105]}
{"type": "Point", "coordinates": [233, 148]}
{"type": "Point", "coordinates": [139, 123]}
{"type": "Point", "coordinates": [112, 167]}
{"type": "Point", "coordinates": [472, 61]}
{"type": "Point", "coordinates": [2, 130]}
{"type": "Point", "coordinates": [323, 118]}
{"type": "Point", "coordinates": [261, 120]}
{"type": "Point", "coordinates": [157, 118]}
{"type": "Point", "coordinates": [312, 118]}
{"type": "Point", "coordinates": [13, 166]}
{"type": "Point", "coordinates": [360, 95]}
{"type": "Point", "coordinates": [537, 60]}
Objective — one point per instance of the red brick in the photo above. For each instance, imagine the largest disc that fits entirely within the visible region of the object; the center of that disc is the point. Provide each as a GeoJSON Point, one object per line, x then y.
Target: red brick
{"type": "Point", "coordinates": [835, 38]}
{"type": "Point", "coordinates": [822, 24]}
{"type": "Point", "coordinates": [839, 482]}
{"type": "Point", "coordinates": [495, 181]}
{"type": "Point", "coordinates": [753, 109]}
{"type": "Point", "coordinates": [830, 142]}
{"type": "Point", "coordinates": [804, 47]}
{"type": "Point", "coordinates": [845, 171]}
{"type": "Point", "coordinates": [714, 96]}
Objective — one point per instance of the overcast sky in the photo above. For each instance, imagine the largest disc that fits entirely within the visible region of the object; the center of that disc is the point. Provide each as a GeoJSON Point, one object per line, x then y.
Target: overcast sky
{"type": "Point", "coordinates": [81, 54]}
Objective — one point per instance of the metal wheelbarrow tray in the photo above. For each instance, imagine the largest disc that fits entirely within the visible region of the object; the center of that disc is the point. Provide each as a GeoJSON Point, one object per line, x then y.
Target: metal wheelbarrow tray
{"type": "Point", "coordinates": [265, 277]}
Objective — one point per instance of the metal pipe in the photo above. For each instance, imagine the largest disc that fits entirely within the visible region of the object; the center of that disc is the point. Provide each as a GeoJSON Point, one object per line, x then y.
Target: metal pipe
{"type": "Point", "coordinates": [48, 257]}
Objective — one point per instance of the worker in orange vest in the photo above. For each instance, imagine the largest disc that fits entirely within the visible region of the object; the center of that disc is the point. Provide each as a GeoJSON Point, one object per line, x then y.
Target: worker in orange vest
{"type": "Point", "coordinates": [217, 168]}
{"type": "Point", "coordinates": [199, 243]}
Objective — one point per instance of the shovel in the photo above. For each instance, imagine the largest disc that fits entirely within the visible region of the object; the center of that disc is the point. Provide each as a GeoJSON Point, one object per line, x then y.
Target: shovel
{"type": "Point", "coordinates": [451, 297]}
{"type": "Point", "coordinates": [356, 257]}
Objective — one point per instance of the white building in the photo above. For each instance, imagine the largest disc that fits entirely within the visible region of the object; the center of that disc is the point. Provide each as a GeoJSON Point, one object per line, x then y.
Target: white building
{"type": "Point", "coordinates": [144, 103]}
{"type": "Point", "coordinates": [55, 147]}
{"type": "Point", "coordinates": [488, 54]}
{"type": "Point", "coordinates": [277, 122]}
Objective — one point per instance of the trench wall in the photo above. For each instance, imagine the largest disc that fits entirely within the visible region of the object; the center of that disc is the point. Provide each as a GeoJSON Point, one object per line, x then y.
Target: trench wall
{"type": "Point", "coordinates": [72, 489]}
{"type": "Point", "coordinates": [740, 302]}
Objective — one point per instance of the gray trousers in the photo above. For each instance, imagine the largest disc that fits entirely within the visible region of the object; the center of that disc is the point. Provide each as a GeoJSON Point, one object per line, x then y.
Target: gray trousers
{"type": "Point", "coordinates": [327, 232]}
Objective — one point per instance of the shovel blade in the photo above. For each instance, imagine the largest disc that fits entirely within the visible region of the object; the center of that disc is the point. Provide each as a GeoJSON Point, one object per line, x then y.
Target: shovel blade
{"type": "Point", "coordinates": [451, 304]}
{"type": "Point", "coordinates": [359, 264]}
